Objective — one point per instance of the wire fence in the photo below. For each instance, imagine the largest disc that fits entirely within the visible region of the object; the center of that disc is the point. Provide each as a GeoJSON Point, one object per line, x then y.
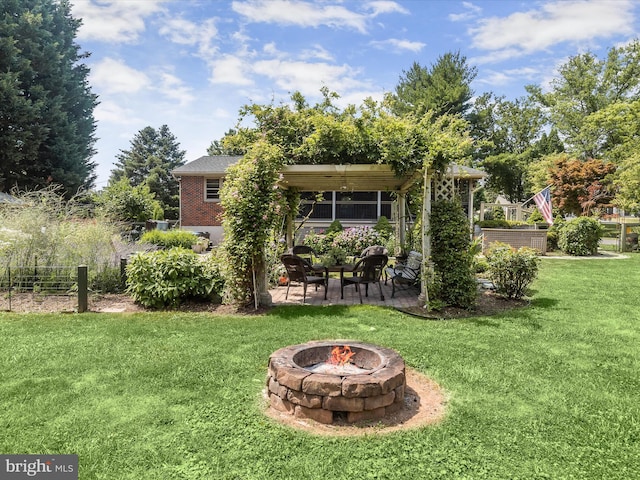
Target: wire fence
{"type": "Point", "coordinates": [35, 283]}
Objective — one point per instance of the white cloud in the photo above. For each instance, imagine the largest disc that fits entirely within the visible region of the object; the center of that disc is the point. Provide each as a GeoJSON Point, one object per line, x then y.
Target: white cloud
{"type": "Point", "coordinates": [385, 6]}
{"type": "Point", "coordinates": [172, 87]}
{"type": "Point", "coordinates": [554, 22]}
{"type": "Point", "coordinates": [112, 112]}
{"type": "Point", "coordinates": [307, 77]}
{"type": "Point", "coordinates": [185, 32]}
{"type": "Point", "coordinates": [299, 13]}
{"type": "Point", "coordinates": [471, 11]}
{"type": "Point", "coordinates": [116, 21]}
{"type": "Point", "coordinates": [114, 76]}
{"type": "Point", "coordinates": [317, 52]}
{"type": "Point", "coordinates": [399, 45]}
{"type": "Point", "coordinates": [230, 69]}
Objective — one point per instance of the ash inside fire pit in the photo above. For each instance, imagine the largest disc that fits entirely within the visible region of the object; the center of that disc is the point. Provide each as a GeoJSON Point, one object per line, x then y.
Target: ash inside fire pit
{"type": "Point", "coordinates": [327, 380]}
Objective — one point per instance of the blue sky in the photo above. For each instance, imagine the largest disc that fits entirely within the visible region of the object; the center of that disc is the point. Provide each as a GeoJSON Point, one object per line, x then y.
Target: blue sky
{"type": "Point", "coordinates": [192, 64]}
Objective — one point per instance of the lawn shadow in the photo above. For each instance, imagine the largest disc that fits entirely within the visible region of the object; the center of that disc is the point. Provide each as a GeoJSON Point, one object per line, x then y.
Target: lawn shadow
{"type": "Point", "coordinates": [544, 302]}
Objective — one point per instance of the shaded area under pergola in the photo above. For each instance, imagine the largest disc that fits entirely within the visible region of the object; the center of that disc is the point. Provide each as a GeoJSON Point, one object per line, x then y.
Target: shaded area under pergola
{"type": "Point", "coordinates": [373, 177]}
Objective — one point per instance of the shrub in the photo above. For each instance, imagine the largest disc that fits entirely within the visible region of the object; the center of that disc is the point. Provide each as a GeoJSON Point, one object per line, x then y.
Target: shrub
{"type": "Point", "coordinates": [167, 277]}
{"type": "Point", "coordinates": [107, 280]}
{"type": "Point", "coordinates": [552, 240]}
{"type": "Point", "coordinates": [451, 254]}
{"type": "Point", "coordinates": [383, 227]}
{"type": "Point", "coordinates": [498, 223]}
{"type": "Point", "coordinates": [319, 243]}
{"type": "Point", "coordinates": [354, 240]}
{"type": "Point", "coordinates": [580, 236]}
{"type": "Point", "coordinates": [334, 228]}
{"type": "Point", "coordinates": [510, 270]}
{"type": "Point", "coordinates": [169, 238]}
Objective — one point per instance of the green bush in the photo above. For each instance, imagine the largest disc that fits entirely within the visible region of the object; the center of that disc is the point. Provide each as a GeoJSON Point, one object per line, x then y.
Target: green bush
{"type": "Point", "coordinates": [169, 238]}
{"type": "Point", "coordinates": [165, 278]}
{"type": "Point", "coordinates": [580, 236]}
{"type": "Point", "coordinates": [320, 243]}
{"type": "Point", "coordinates": [334, 228]}
{"type": "Point", "coordinates": [383, 227]}
{"type": "Point", "coordinates": [510, 270]}
{"type": "Point", "coordinates": [451, 254]}
{"type": "Point", "coordinates": [552, 240]}
{"type": "Point", "coordinates": [108, 279]}
{"type": "Point", "coordinates": [498, 223]}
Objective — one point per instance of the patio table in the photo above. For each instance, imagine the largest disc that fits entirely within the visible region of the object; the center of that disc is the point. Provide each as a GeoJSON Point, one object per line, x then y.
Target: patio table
{"type": "Point", "coordinates": [346, 267]}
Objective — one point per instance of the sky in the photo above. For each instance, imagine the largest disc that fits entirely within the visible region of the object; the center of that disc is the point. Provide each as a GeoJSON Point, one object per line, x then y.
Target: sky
{"type": "Point", "coordinates": [193, 64]}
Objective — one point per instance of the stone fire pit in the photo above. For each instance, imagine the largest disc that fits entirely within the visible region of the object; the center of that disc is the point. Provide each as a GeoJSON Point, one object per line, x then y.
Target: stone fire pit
{"type": "Point", "coordinates": [303, 383]}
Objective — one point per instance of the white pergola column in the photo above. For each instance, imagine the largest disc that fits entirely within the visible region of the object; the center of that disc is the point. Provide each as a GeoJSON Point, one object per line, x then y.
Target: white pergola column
{"type": "Point", "coordinates": [402, 219]}
{"type": "Point", "coordinates": [426, 237]}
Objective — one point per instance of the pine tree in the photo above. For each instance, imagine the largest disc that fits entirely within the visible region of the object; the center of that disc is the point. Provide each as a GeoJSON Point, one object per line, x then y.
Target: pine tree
{"type": "Point", "coordinates": [46, 105]}
{"type": "Point", "coordinates": [444, 89]}
{"type": "Point", "coordinates": [152, 156]}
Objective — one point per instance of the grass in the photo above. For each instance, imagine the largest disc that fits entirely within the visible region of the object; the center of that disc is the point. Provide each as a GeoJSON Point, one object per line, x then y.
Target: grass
{"type": "Point", "coordinates": [550, 391]}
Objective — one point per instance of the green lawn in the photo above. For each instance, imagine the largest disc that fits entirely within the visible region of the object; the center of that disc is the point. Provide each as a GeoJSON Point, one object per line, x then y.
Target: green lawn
{"type": "Point", "coordinates": [549, 391]}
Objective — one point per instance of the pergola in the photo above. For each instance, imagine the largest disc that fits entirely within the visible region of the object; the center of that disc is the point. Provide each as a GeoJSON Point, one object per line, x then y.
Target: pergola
{"type": "Point", "coordinates": [373, 177]}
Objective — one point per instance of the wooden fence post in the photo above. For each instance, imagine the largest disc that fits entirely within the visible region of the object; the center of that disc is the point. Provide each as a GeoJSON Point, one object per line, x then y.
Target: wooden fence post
{"type": "Point", "coordinates": [83, 288]}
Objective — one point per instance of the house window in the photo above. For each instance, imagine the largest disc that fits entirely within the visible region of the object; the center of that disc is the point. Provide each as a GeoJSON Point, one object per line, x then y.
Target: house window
{"type": "Point", "coordinates": [212, 189]}
{"type": "Point", "coordinates": [367, 206]}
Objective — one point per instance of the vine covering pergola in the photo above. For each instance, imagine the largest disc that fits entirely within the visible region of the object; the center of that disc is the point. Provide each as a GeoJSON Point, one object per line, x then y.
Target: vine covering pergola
{"type": "Point", "coordinates": [300, 148]}
{"type": "Point", "coordinates": [361, 178]}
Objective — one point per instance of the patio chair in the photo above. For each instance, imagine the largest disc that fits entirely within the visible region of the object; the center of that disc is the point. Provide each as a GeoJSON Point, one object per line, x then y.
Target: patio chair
{"type": "Point", "coordinates": [310, 256]}
{"type": "Point", "coordinates": [301, 271]}
{"type": "Point", "coordinates": [406, 274]}
{"type": "Point", "coordinates": [367, 270]}
{"type": "Point", "coordinates": [374, 250]}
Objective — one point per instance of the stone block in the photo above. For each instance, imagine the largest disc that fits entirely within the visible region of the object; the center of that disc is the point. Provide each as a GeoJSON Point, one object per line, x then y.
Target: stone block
{"type": "Point", "coordinates": [321, 384]}
{"type": "Point", "coordinates": [279, 390]}
{"type": "Point", "coordinates": [343, 404]}
{"type": "Point", "coordinates": [373, 403]}
{"type": "Point", "coordinates": [378, 413]}
{"type": "Point", "coordinates": [304, 399]}
{"type": "Point", "coordinates": [400, 394]}
{"type": "Point", "coordinates": [317, 414]}
{"type": "Point", "coordinates": [389, 378]}
{"type": "Point", "coordinates": [292, 377]}
{"type": "Point", "coordinates": [282, 405]}
{"type": "Point", "coordinates": [361, 386]}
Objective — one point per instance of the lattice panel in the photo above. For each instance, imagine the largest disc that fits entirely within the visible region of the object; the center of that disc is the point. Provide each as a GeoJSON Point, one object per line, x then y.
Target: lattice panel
{"type": "Point", "coordinates": [443, 188]}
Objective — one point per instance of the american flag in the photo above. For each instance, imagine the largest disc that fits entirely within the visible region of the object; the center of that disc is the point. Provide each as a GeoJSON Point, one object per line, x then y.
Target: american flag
{"type": "Point", "coordinates": [543, 201]}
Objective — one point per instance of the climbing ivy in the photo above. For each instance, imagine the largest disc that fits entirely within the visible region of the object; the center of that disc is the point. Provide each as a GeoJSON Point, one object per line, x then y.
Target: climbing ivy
{"type": "Point", "coordinates": [253, 206]}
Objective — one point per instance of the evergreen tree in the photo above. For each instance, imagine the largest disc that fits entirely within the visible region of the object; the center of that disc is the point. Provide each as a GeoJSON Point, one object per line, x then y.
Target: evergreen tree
{"type": "Point", "coordinates": [153, 154]}
{"type": "Point", "coordinates": [46, 105]}
{"type": "Point", "coordinates": [444, 89]}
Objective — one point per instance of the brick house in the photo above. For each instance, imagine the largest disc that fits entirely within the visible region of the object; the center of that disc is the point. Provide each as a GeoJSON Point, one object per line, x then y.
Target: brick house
{"type": "Point", "coordinates": [200, 183]}
{"type": "Point", "coordinates": [353, 194]}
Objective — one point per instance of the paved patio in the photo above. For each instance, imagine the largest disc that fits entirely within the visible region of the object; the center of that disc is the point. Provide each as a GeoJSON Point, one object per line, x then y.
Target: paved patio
{"type": "Point", "coordinates": [403, 298]}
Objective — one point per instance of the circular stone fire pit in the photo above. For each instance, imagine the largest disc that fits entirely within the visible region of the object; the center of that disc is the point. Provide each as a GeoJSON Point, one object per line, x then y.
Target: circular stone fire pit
{"type": "Point", "coordinates": [303, 383]}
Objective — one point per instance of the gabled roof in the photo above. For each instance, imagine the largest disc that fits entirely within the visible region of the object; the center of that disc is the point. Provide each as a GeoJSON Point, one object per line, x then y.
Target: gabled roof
{"type": "Point", "coordinates": [207, 165]}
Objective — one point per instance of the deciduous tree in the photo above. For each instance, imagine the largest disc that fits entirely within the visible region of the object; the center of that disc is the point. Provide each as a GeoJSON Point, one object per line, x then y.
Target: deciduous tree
{"type": "Point", "coordinates": [579, 187]}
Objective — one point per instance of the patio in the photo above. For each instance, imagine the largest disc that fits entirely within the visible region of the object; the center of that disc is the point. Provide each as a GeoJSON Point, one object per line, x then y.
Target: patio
{"type": "Point", "coordinates": [403, 298]}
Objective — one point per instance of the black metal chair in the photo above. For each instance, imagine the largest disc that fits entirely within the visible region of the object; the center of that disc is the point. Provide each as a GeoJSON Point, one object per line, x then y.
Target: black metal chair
{"type": "Point", "coordinates": [301, 271]}
{"type": "Point", "coordinates": [407, 274]}
{"type": "Point", "coordinates": [368, 270]}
